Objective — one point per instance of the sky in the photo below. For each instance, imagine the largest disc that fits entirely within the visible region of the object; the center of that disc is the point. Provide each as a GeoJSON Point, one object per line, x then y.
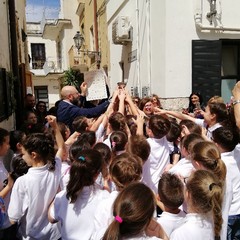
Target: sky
{"type": "Point", "coordinates": [35, 9]}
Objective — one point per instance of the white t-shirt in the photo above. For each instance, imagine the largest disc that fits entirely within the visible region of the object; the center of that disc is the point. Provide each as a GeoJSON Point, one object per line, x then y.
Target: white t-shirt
{"type": "Point", "coordinates": [170, 221]}
{"type": "Point", "coordinates": [233, 176]}
{"type": "Point", "coordinates": [202, 123]}
{"type": "Point", "coordinates": [77, 219]}
{"type": "Point", "coordinates": [64, 175]}
{"type": "Point", "coordinates": [104, 213]}
{"type": "Point", "coordinates": [183, 168]}
{"type": "Point", "coordinates": [237, 155]}
{"type": "Point", "coordinates": [31, 196]}
{"type": "Point", "coordinates": [143, 236]}
{"type": "Point", "coordinates": [99, 133]}
{"type": "Point", "coordinates": [156, 163]}
{"type": "Point", "coordinates": [195, 227]}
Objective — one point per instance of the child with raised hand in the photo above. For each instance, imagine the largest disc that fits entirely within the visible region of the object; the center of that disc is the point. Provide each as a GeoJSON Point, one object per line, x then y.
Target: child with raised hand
{"type": "Point", "coordinates": [214, 115]}
{"type": "Point", "coordinates": [171, 195]}
{"type": "Point", "coordinates": [133, 212]}
{"type": "Point", "coordinates": [157, 129]}
{"type": "Point", "coordinates": [33, 192]}
{"type": "Point", "coordinates": [74, 207]}
{"type": "Point", "coordinates": [203, 195]}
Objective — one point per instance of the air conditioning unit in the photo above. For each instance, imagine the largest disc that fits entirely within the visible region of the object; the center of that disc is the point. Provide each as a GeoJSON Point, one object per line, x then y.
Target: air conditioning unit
{"type": "Point", "coordinates": [121, 30]}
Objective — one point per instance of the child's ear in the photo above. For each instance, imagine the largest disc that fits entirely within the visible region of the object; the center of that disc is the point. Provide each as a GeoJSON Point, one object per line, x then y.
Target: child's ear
{"type": "Point", "coordinates": [149, 132]}
{"type": "Point", "coordinates": [34, 155]}
{"type": "Point", "coordinates": [19, 146]}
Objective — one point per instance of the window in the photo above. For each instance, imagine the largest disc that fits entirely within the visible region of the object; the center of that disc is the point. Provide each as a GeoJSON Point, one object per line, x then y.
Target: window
{"type": "Point", "coordinates": [206, 67]}
{"type": "Point", "coordinates": [215, 67]}
{"type": "Point", "coordinates": [38, 55]}
{"type": "Point", "coordinates": [41, 94]}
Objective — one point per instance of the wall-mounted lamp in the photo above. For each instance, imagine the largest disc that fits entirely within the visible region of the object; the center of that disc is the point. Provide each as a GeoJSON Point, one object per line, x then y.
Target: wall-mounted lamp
{"type": "Point", "coordinates": [78, 41]}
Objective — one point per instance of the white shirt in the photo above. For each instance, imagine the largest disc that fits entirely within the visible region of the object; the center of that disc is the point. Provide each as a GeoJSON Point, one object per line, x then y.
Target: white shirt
{"type": "Point", "coordinates": [183, 168]}
{"type": "Point", "coordinates": [139, 237]}
{"type": "Point", "coordinates": [233, 176]}
{"type": "Point", "coordinates": [31, 196]}
{"type": "Point", "coordinates": [99, 133]}
{"type": "Point", "coordinates": [202, 123]}
{"type": "Point", "coordinates": [156, 163]}
{"type": "Point", "coordinates": [170, 221]}
{"type": "Point", "coordinates": [77, 218]}
{"type": "Point", "coordinates": [64, 175]}
{"type": "Point", "coordinates": [195, 227]}
{"type": "Point", "coordinates": [237, 155]}
{"type": "Point", "coordinates": [104, 213]}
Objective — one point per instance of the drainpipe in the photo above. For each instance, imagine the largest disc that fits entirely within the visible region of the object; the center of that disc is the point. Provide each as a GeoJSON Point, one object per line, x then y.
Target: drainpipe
{"type": "Point", "coordinates": [98, 57]}
{"type": "Point", "coordinates": [149, 49]}
{"type": "Point", "coordinates": [138, 50]}
{"type": "Point", "coordinates": [14, 61]}
{"type": "Point", "coordinates": [201, 27]}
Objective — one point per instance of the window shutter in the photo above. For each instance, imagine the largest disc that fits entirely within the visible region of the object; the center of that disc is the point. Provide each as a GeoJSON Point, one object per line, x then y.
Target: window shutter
{"type": "Point", "coordinates": [206, 67]}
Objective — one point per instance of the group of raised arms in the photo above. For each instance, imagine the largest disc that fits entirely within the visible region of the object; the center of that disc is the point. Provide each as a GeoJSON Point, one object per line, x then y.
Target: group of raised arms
{"type": "Point", "coordinates": [123, 168]}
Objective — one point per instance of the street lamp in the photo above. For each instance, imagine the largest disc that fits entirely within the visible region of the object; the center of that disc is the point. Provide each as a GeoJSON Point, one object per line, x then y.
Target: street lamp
{"type": "Point", "coordinates": [78, 41]}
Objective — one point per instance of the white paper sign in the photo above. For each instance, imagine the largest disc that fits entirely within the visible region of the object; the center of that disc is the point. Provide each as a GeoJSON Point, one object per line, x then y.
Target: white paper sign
{"type": "Point", "coordinates": [96, 82]}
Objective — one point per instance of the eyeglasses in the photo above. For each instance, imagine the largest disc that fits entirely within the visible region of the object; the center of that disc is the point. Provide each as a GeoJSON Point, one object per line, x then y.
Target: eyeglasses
{"type": "Point", "coordinates": [41, 106]}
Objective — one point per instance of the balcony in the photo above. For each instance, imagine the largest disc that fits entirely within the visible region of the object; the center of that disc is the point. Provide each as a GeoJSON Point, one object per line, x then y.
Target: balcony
{"type": "Point", "coordinates": [51, 65]}
{"type": "Point", "coordinates": [51, 30]}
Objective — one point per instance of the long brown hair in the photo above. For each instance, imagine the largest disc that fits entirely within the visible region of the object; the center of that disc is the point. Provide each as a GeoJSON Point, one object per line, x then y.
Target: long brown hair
{"type": "Point", "coordinates": [133, 210]}
{"type": "Point", "coordinates": [206, 195]}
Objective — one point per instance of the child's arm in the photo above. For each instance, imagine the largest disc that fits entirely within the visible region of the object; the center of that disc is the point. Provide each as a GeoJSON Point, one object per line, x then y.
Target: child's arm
{"type": "Point", "coordinates": [132, 106]}
{"type": "Point", "coordinates": [139, 122]}
{"type": "Point", "coordinates": [51, 213]}
{"type": "Point", "coordinates": [58, 136]}
{"type": "Point", "coordinates": [174, 114]}
{"type": "Point", "coordinates": [97, 123]}
{"type": "Point", "coordinates": [121, 97]}
{"type": "Point", "coordinates": [8, 187]}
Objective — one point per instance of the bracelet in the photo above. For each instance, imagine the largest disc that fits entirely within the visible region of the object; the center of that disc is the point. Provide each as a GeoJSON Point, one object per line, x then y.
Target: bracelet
{"type": "Point", "coordinates": [236, 102]}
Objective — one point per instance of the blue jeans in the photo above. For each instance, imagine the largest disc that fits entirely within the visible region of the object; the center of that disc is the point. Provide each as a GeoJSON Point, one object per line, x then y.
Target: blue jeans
{"type": "Point", "coordinates": [233, 230]}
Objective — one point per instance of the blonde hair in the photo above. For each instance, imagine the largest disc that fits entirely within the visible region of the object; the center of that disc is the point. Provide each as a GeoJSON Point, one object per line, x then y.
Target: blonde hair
{"type": "Point", "coordinates": [206, 194]}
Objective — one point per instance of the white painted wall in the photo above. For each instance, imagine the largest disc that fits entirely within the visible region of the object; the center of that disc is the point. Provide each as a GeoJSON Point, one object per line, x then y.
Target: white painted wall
{"type": "Point", "coordinates": [53, 87]}
{"type": "Point", "coordinates": [50, 47]}
{"type": "Point", "coordinates": [164, 41]}
{"type": "Point", "coordinates": [68, 11]}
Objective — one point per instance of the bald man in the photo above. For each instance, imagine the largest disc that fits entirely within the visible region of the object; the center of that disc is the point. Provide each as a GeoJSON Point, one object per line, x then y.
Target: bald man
{"type": "Point", "coordinates": [68, 110]}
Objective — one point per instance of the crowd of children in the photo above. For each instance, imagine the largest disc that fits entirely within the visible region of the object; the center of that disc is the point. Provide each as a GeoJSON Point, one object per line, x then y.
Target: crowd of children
{"type": "Point", "coordinates": [134, 172]}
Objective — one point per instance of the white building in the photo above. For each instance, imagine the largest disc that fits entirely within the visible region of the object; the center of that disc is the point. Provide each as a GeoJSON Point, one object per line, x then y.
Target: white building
{"type": "Point", "coordinates": [176, 47]}
{"type": "Point", "coordinates": [50, 44]}
{"type": "Point", "coordinates": [45, 65]}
